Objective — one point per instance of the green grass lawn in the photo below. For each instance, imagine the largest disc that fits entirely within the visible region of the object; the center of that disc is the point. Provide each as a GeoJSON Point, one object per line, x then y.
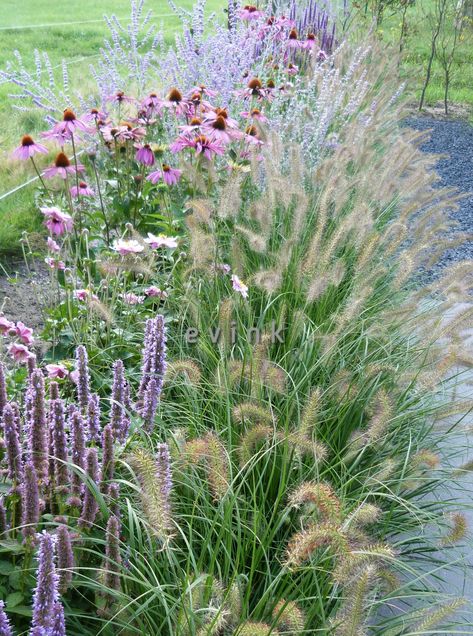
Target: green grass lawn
{"type": "Point", "coordinates": [30, 25]}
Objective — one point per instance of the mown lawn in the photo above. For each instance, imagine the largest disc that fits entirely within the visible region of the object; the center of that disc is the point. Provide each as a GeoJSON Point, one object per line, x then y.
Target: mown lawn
{"type": "Point", "coordinates": [44, 25]}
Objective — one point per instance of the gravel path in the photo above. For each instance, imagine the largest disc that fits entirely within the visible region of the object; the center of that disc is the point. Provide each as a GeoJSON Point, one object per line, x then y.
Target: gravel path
{"type": "Point", "coordinates": [455, 139]}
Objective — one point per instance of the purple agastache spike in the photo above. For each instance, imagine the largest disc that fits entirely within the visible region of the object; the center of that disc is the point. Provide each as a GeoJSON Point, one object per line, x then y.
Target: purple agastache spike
{"type": "Point", "coordinates": [61, 471]}
{"type": "Point", "coordinates": [114, 495]}
{"type": "Point", "coordinates": [59, 621]}
{"type": "Point", "coordinates": [108, 459]}
{"type": "Point", "coordinates": [17, 417]}
{"type": "Point", "coordinates": [93, 419]}
{"type": "Point", "coordinates": [77, 456]}
{"type": "Point", "coordinates": [53, 391]}
{"type": "Point", "coordinates": [65, 558]}
{"type": "Point", "coordinates": [112, 554]}
{"type": "Point", "coordinates": [46, 593]}
{"type": "Point", "coordinates": [150, 404]}
{"type": "Point", "coordinates": [30, 501]}
{"type": "Point", "coordinates": [38, 433]}
{"type": "Point", "coordinates": [13, 446]}
{"type": "Point", "coordinates": [3, 518]}
{"type": "Point", "coordinates": [118, 395]}
{"type": "Point", "coordinates": [3, 388]}
{"type": "Point", "coordinates": [153, 360]}
{"type": "Point", "coordinates": [31, 364]}
{"type": "Point", "coordinates": [90, 506]}
{"type": "Point", "coordinates": [5, 627]}
{"type": "Point", "coordinates": [83, 378]}
{"type": "Point", "coordinates": [39, 631]}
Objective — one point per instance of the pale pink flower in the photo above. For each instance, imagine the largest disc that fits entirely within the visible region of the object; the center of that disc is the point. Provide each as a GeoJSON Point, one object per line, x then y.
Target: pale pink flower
{"type": "Point", "coordinates": [24, 333]}
{"type": "Point", "coordinates": [57, 222]}
{"type": "Point", "coordinates": [152, 104]}
{"type": "Point", "coordinates": [145, 155]}
{"type": "Point", "coordinates": [82, 190]}
{"type": "Point", "coordinates": [55, 264]}
{"type": "Point", "coordinates": [239, 286]}
{"type": "Point", "coordinates": [62, 168]}
{"type": "Point", "coordinates": [28, 148]}
{"type": "Point", "coordinates": [155, 242]}
{"type": "Point", "coordinates": [52, 245]}
{"type": "Point", "coordinates": [249, 13]}
{"type": "Point", "coordinates": [223, 267]}
{"type": "Point", "coordinates": [132, 299]}
{"type": "Point", "coordinates": [56, 371]}
{"type": "Point", "coordinates": [201, 144]}
{"type": "Point", "coordinates": [124, 247]}
{"type": "Point", "coordinates": [155, 292]}
{"type": "Point", "coordinates": [169, 175]}
{"type": "Point", "coordinates": [119, 98]}
{"type": "Point", "coordinates": [5, 325]}
{"type": "Point", "coordinates": [84, 294]}
{"type": "Point", "coordinates": [19, 353]}
{"type": "Point", "coordinates": [256, 114]}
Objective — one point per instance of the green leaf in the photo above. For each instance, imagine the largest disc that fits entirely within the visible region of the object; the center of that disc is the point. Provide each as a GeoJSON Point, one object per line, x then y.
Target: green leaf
{"type": "Point", "coordinates": [6, 567]}
{"type": "Point", "coordinates": [14, 599]}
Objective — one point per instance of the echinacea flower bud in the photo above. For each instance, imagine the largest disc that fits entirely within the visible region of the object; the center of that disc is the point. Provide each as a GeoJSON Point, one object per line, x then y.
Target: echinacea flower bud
{"type": "Point", "coordinates": [83, 378]}
{"type": "Point", "coordinates": [46, 592]}
{"type": "Point", "coordinates": [38, 428]}
{"type": "Point", "coordinates": [112, 554]}
{"type": "Point", "coordinates": [61, 471]}
{"type": "Point", "coordinates": [5, 626]}
{"type": "Point", "coordinates": [65, 558]}
{"type": "Point", "coordinates": [12, 446]}
{"type": "Point", "coordinates": [30, 501]}
{"type": "Point", "coordinates": [90, 506]}
{"type": "Point", "coordinates": [108, 459]}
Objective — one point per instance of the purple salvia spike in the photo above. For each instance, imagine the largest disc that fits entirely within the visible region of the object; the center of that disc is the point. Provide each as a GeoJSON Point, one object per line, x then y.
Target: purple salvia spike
{"type": "Point", "coordinates": [65, 558]}
{"type": "Point", "coordinates": [83, 378]}
{"type": "Point", "coordinates": [38, 433]}
{"type": "Point", "coordinates": [46, 592]}
{"type": "Point", "coordinates": [59, 621]}
{"type": "Point", "coordinates": [112, 554]}
{"type": "Point", "coordinates": [5, 627]}
{"type": "Point", "coordinates": [61, 471]}
{"type": "Point", "coordinates": [13, 448]}
{"type": "Point", "coordinates": [108, 459]}
{"type": "Point", "coordinates": [93, 419]}
{"type": "Point", "coordinates": [77, 457]}
{"type": "Point", "coordinates": [30, 501]}
{"type": "Point", "coordinates": [3, 388]}
{"type": "Point", "coordinates": [118, 396]}
{"type": "Point", "coordinates": [90, 506]}
{"type": "Point", "coordinates": [3, 518]}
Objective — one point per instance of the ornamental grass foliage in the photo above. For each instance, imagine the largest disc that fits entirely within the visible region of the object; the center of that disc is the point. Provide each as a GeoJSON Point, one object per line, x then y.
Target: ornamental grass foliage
{"type": "Point", "coordinates": [231, 430]}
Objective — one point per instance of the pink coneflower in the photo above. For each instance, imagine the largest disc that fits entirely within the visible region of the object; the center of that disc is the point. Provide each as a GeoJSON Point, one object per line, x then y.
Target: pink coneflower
{"type": "Point", "coordinates": [175, 101]}
{"type": "Point", "coordinates": [169, 175]}
{"type": "Point", "coordinates": [292, 69]}
{"type": "Point", "coordinates": [145, 155]}
{"type": "Point", "coordinates": [155, 242]}
{"type": "Point", "coordinates": [19, 353]}
{"type": "Point", "coordinates": [119, 98]}
{"type": "Point", "coordinates": [194, 124]}
{"type": "Point", "coordinates": [24, 333]}
{"type": "Point", "coordinates": [254, 88]}
{"type": "Point", "coordinates": [124, 247]}
{"type": "Point", "coordinates": [223, 267]}
{"type": "Point", "coordinates": [68, 126]}
{"type": "Point", "coordinates": [251, 135]}
{"type": "Point", "coordinates": [55, 264]}
{"type": "Point", "coordinates": [201, 144]}
{"type": "Point", "coordinates": [218, 129]}
{"type": "Point", "coordinates": [95, 115]}
{"type": "Point", "coordinates": [152, 104]}
{"type": "Point", "coordinates": [293, 41]}
{"type": "Point", "coordinates": [309, 42]}
{"type": "Point", "coordinates": [321, 56]}
{"type": "Point", "coordinates": [52, 245]}
{"type": "Point", "coordinates": [57, 222]}
{"type": "Point", "coordinates": [132, 299]}
{"type": "Point", "coordinates": [28, 148]}
{"type": "Point", "coordinates": [239, 286]}
{"type": "Point", "coordinates": [256, 114]}
{"type": "Point", "coordinates": [56, 371]}
{"type": "Point", "coordinates": [5, 325]}
{"type": "Point", "coordinates": [62, 168]}
{"type": "Point", "coordinates": [221, 112]}
{"type": "Point", "coordinates": [126, 132]}
{"type": "Point", "coordinates": [250, 12]}
{"type": "Point", "coordinates": [203, 90]}
{"type": "Point", "coordinates": [82, 190]}
{"type": "Point", "coordinates": [155, 292]}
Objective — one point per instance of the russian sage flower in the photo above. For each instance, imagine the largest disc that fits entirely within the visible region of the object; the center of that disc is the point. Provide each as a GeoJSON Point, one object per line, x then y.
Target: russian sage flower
{"type": "Point", "coordinates": [65, 558]}
{"type": "Point", "coordinates": [38, 428]}
{"type": "Point", "coordinates": [46, 593]}
{"type": "Point", "coordinates": [30, 501]}
{"type": "Point", "coordinates": [90, 506]}
{"type": "Point", "coordinates": [83, 378]}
